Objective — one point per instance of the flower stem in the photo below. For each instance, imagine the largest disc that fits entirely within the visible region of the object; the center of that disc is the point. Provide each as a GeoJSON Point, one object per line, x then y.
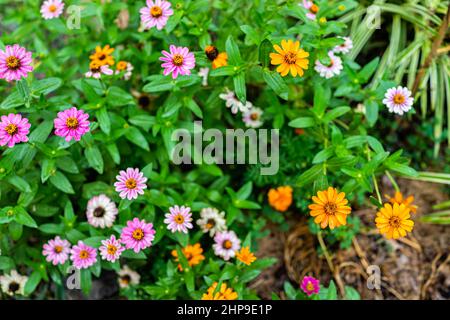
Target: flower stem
{"type": "Point", "coordinates": [394, 183]}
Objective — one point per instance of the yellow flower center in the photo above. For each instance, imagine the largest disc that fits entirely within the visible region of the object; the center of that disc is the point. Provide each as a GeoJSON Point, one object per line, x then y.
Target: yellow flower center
{"type": "Point", "coordinates": [111, 249]}
{"type": "Point", "coordinates": [310, 286]}
{"type": "Point", "coordinates": [290, 58]}
{"type": "Point", "coordinates": [330, 208]}
{"type": "Point", "coordinates": [179, 219]}
{"type": "Point", "coordinates": [72, 123]}
{"type": "Point", "coordinates": [210, 224]}
{"type": "Point", "coordinates": [58, 249]}
{"type": "Point", "coordinates": [11, 129]}
{"type": "Point", "coordinates": [314, 8]}
{"type": "Point", "coordinates": [395, 222]}
{"type": "Point", "coordinates": [399, 98]}
{"type": "Point", "coordinates": [52, 8]}
{"type": "Point", "coordinates": [138, 234]}
{"type": "Point", "coordinates": [227, 244]}
{"type": "Point", "coordinates": [84, 254]}
{"type": "Point", "coordinates": [156, 12]}
{"type": "Point", "coordinates": [177, 60]}
{"type": "Point", "coordinates": [13, 62]}
{"type": "Point", "coordinates": [254, 116]}
{"type": "Point", "coordinates": [131, 183]}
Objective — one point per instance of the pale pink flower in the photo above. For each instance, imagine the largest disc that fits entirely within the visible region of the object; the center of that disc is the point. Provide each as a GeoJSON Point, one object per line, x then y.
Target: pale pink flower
{"type": "Point", "coordinates": [13, 129]}
{"type": "Point", "coordinates": [398, 100]}
{"type": "Point", "coordinates": [71, 124]}
{"type": "Point", "coordinates": [252, 117]}
{"type": "Point", "coordinates": [83, 256]}
{"type": "Point", "coordinates": [130, 183]}
{"type": "Point", "coordinates": [101, 212]}
{"type": "Point", "coordinates": [179, 219]}
{"type": "Point", "coordinates": [96, 71]}
{"type": "Point", "coordinates": [57, 250]}
{"type": "Point", "coordinates": [111, 249]}
{"type": "Point", "coordinates": [15, 63]}
{"type": "Point", "coordinates": [226, 244]}
{"type": "Point", "coordinates": [156, 13]}
{"type": "Point", "coordinates": [345, 47]}
{"type": "Point", "coordinates": [310, 285]}
{"type": "Point", "coordinates": [52, 9]}
{"type": "Point", "coordinates": [332, 69]}
{"type": "Point", "coordinates": [179, 61]}
{"type": "Point", "coordinates": [137, 235]}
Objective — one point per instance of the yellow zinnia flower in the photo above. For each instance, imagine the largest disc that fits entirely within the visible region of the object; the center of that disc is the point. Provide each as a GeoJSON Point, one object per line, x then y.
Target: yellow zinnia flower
{"type": "Point", "coordinates": [290, 57]}
{"type": "Point", "coordinates": [330, 208]}
{"type": "Point", "coordinates": [281, 198]}
{"type": "Point", "coordinates": [218, 59]}
{"type": "Point", "coordinates": [121, 66]}
{"type": "Point", "coordinates": [193, 255]}
{"type": "Point", "coordinates": [245, 256]}
{"type": "Point", "coordinates": [223, 294]}
{"type": "Point", "coordinates": [103, 55]}
{"type": "Point", "coordinates": [398, 198]}
{"type": "Point", "coordinates": [394, 221]}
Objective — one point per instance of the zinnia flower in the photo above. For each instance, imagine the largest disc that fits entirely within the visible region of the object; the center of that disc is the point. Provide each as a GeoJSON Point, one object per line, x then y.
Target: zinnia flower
{"type": "Point", "coordinates": [330, 208]}
{"type": "Point", "coordinates": [232, 102]}
{"type": "Point", "coordinates": [96, 70]}
{"type": "Point", "coordinates": [179, 219]}
{"type": "Point", "coordinates": [13, 284]}
{"type": "Point", "coordinates": [111, 249]}
{"type": "Point", "coordinates": [398, 100]}
{"type": "Point", "coordinates": [137, 235]}
{"type": "Point", "coordinates": [252, 117]}
{"type": "Point", "coordinates": [394, 220]}
{"type": "Point", "coordinates": [178, 62]}
{"type": "Point", "coordinates": [15, 63]}
{"type": "Point", "coordinates": [101, 212]}
{"type": "Point", "coordinates": [71, 124]}
{"type": "Point", "coordinates": [332, 69]}
{"type": "Point", "coordinates": [83, 256]}
{"type": "Point", "coordinates": [345, 47]}
{"type": "Point", "coordinates": [408, 201]}
{"type": "Point", "coordinates": [126, 68]}
{"type": "Point", "coordinates": [13, 129]}
{"type": "Point", "coordinates": [245, 256]}
{"type": "Point", "coordinates": [52, 9]}
{"type": "Point", "coordinates": [130, 183]}
{"type": "Point", "coordinates": [212, 221]}
{"type": "Point", "coordinates": [156, 14]}
{"type": "Point", "coordinates": [310, 285]}
{"type": "Point", "coordinates": [223, 294]}
{"type": "Point", "coordinates": [128, 277]}
{"type": "Point", "coordinates": [218, 59]}
{"type": "Point", "coordinates": [290, 58]}
{"type": "Point", "coordinates": [312, 9]}
{"type": "Point", "coordinates": [226, 244]}
{"type": "Point", "coordinates": [56, 251]}
{"type": "Point", "coordinates": [103, 55]}
{"type": "Point", "coordinates": [281, 198]}
{"type": "Point", "coordinates": [193, 255]}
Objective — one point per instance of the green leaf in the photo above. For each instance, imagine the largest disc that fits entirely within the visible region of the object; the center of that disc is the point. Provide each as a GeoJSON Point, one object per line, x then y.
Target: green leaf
{"type": "Point", "coordinates": [321, 99]}
{"type": "Point", "coordinates": [234, 56]}
{"type": "Point", "coordinates": [32, 282]}
{"type": "Point", "coordinates": [309, 175]}
{"type": "Point", "coordinates": [264, 50]}
{"type": "Point", "coordinates": [276, 83]}
{"type": "Point", "coordinates": [86, 281]}
{"type": "Point", "coordinates": [332, 292]}
{"type": "Point", "coordinates": [48, 168]}
{"type": "Point", "coordinates": [291, 293]}
{"type": "Point", "coordinates": [335, 113]}
{"type": "Point", "coordinates": [371, 111]}
{"type": "Point", "coordinates": [94, 158]}
{"type": "Point", "coordinates": [15, 230]}
{"type": "Point", "coordinates": [60, 182]}
{"type": "Point", "coordinates": [239, 87]}
{"type": "Point", "coordinates": [144, 121]}
{"type": "Point", "coordinates": [103, 120]}
{"type": "Point", "coordinates": [117, 97]}
{"type": "Point", "coordinates": [6, 263]}
{"type": "Point", "coordinates": [304, 122]}
{"type": "Point", "coordinates": [22, 217]}
{"type": "Point", "coordinates": [135, 136]}
{"type": "Point", "coordinates": [45, 86]}
{"type": "Point", "coordinates": [19, 183]}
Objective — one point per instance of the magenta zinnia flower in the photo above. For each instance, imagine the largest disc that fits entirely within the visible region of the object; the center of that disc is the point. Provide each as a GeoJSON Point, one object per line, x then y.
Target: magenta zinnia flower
{"type": "Point", "coordinates": [71, 123]}
{"type": "Point", "coordinates": [130, 183]}
{"type": "Point", "coordinates": [178, 61]}
{"type": "Point", "coordinates": [398, 100]}
{"type": "Point", "coordinates": [52, 9]}
{"type": "Point", "coordinates": [111, 249]}
{"type": "Point", "coordinates": [156, 14]}
{"type": "Point", "coordinates": [15, 63]}
{"type": "Point", "coordinates": [83, 256]}
{"type": "Point", "coordinates": [310, 285]}
{"type": "Point", "coordinates": [57, 251]}
{"type": "Point", "coordinates": [179, 219]}
{"type": "Point", "coordinates": [13, 129]}
{"type": "Point", "coordinates": [137, 235]}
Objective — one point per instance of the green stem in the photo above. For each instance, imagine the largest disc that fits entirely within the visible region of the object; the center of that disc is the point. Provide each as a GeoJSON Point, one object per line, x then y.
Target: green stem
{"type": "Point", "coordinates": [394, 183]}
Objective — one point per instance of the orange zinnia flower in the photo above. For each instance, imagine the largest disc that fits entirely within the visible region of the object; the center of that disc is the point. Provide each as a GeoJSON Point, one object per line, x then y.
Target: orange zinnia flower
{"type": "Point", "coordinates": [103, 55]}
{"type": "Point", "coordinates": [281, 198]}
{"type": "Point", "coordinates": [193, 255]}
{"type": "Point", "coordinates": [394, 221]}
{"type": "Point", "coordinates": [245, 256]}
{"type": "Point", "coordinates": [398, 198]}
{"type": "Point", "coordinates": [290, 58]}
{"type": "Point", "coordinates": [218, 59]}
{"type": "Point", "coordinates": [330, 208]}
{"type": "Point", "coordinates": [223, 294]}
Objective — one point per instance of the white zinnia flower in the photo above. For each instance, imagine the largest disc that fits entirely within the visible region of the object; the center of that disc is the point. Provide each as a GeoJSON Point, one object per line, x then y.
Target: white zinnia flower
{"type": "Point", "coordinates": [13, 284]}
{"type": "Point", "coordinates": [345, 47]}
{"type": "Point", "coordinates": [232, 102]}
{"type": "Point", "coordinates": [204, 72]}
{"type": "Point", "coordinates": [331, 70]}
{"type": "Point", "coordinates": [128, 277]}
{"type": "Point", "coordinates": [101, 212]}
{"type": "Point", "coordinates": [252, 117]}
{"type": "Point", "coordinates": [212, 221]}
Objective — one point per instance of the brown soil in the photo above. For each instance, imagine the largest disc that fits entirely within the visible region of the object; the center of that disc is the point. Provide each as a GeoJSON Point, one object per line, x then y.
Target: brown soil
{"type": "Point", "coordinates": [416, 267]}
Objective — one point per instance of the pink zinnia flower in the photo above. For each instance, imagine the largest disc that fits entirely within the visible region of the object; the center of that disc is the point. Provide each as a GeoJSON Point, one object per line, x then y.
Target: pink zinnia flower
{"type": "Point", "coordinates": [71, 123]}
{"type": "Point", "coordinates": [345, 47]}
{"type": "Point", "coordinates": [13, 129]}
{"type": "Point", "coordinates": [52, 9]}
{"type": "Point", "coordinates": [179, 219]}
{"type": "Point", "coordinates": [178, 61]}
{"type": "Point", "coordinates": [252, 117]}
{"type": "Point", "coordinates": [310, 285]}
{"type": "Point", "coordinates": [57, 251]}
{"type": "Point", "coordinates": [226, 244]}
{"type": "Point", "coordinates": [130, 183]}
{"type": "Point", "coordinates": [15, 63]}
{"type": "Point", "coordinates": [83, 256]}
{"type": "Point", "coordinates": [398, 100]}
{"type": "Point", "coordinates": [111, 249]}
{"type": "Point", "coordinates": [332, 69]}
{"type": "Point", "coordinates": [156, 14]}
{"type": "Point", "coordinates": [312, 9]}
{"type": "Point", "coordinates": [137, 235]}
